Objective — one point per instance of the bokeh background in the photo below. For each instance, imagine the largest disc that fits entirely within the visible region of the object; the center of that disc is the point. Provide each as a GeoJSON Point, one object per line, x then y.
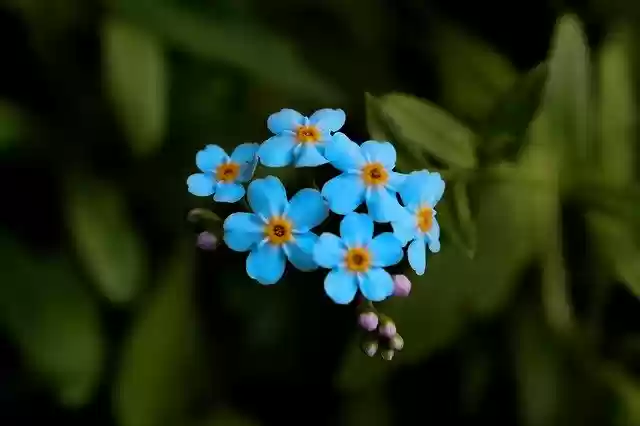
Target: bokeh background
{"type": "Point", "coordinates": [109, 314]}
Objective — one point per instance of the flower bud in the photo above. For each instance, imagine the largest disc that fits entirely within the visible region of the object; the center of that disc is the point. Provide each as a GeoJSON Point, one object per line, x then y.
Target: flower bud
{"type": "Point", "coordinates": [387, 354]}
{"type": "Point", "coordinates": [387, 329]}
{"type": "Point", "coordinates": [401, 286]}
{"type": "Point", "coordinates": [370, 347]}
{"type": "Point", "coordinates": [396, 342]}
{"type": "Point", "coordinates": [207, 241]}
{"type": "Point", "coordinates": [368, 320]}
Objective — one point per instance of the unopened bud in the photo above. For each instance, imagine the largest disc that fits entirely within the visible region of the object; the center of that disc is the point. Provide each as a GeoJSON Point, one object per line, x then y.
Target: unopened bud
{"type": "Point", "coordinates": [207, 241]}
{"type": "Point", "coordinates": [368, 320]}
{"type": "Point", "coordinates": [401, 286]}
{"type": "Point", "coordinates": [370, 348]}
{"type": "Point", "coordinates": [387, 329]}
{"type": "Point", "coordinates": [396, 342]}
{"type": "Point", "coordinates": [387, 354]}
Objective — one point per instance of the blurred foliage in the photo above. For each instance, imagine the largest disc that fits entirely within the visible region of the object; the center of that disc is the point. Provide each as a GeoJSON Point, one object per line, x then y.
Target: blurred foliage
{"type": "Point", "coordinates": [109, 315]}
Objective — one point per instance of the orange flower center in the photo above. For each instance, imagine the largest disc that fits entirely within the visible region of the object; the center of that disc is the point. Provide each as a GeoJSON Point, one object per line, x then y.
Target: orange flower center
{"type": "Point", "coordinates": [227, 172]}
{"type": "Point", "coordinates": [358, 259]}
{"type": "Point", "coordinates": [374, 174]}
{"type": "Point", "coordinates": [278, 230]}
{"type": "Point", "coordinates": [425, 218]}
{"type": "Point", "coordinates": [307, 134]}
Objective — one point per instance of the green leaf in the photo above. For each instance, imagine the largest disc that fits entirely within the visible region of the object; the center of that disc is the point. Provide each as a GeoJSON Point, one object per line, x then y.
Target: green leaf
{"type": "Point", "coordinates": [473, 75]}
{"type": "Point", "coordinates": [105, 238]}
{"type": "Point", "coordinates": [616, 109]}
{"type": "Point", "coordinates": [506, 126]}
{"type": "Point", "coordinates": [555, 290]}
{"type": "Point", "coordinates": [229, 417]}
{"type": "Point", "coordinates": [161, 368]}
{"type": "Point", "coordinates": [568, 97]}
{"type": "Point", "coordinates": [135, 72]}
{"type": "Point", "coordinates": [254, 51]}
{"type": "Point", "coordinates": [455, 218]}
{"type": "Point", "coordinates": [46, 309]}
{"type": "Point", "coordinates": [618, 247]}
{"type": "Point", "coordinates": [423, 127]}
{"type": "Point", "coordinates": [11, 125]}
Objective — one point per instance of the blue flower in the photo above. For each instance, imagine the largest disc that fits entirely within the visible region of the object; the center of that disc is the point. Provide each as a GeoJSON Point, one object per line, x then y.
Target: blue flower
{"type": "Point", "coordinates": [356, 260]}
{"type": "Point", "coordinates": [420, 194]}
{"type": "Point", "coordinates": [298, 139]}
{"type": "Point", "coordinates": [367, 174]}
{"type": "Point", "coordinates": [277, 230]}
{"type": "Point", "coordinates": [221, 174]}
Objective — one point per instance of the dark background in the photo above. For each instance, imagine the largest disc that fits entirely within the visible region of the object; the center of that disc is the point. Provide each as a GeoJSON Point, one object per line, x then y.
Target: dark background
{"type": "Point", "coordinates": [109, 315]}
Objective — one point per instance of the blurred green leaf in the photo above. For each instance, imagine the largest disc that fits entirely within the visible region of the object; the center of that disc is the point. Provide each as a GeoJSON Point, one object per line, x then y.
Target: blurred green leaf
{"type": "Point", "coordinates": [555, 289]}
{"type": "Point", "coordinates": [161, 369]}
{"type": "Point", "coordinates": [567, 96]}
{"type": "Point", "coordinates": [627, 389]}
{"type": "Point", "coordinates": [105, 238]}
{"type": "Point", "coordinates": [228, 417]}
{"type": "Point", "coordinates": [255, 51]}
{"type": "Point", "coordinates": [135, 72]}
{"type": "Point", "coordinates": [11, 125]}
{"type": "Point", "coordinates": [506, 126]}
{"type": "Point", "coordinates": [422, 126]}
{"type": "Point", "coordinates": [50, 314]}
{"type": "Point", "coordinates": [613, 199]}
{"type": "Point", "coordinates": [370, 407]}
{"type": "Point", "coordinates": [455, 218]}
{"type": "Point", "coordinates": [473, 75]}
{"type": "Point", "coordinates": [542, 383]}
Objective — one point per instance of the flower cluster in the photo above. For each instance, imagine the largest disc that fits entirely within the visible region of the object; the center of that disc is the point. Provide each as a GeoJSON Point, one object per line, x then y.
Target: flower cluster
{"type": "Point", "coordinates": [278, 230]}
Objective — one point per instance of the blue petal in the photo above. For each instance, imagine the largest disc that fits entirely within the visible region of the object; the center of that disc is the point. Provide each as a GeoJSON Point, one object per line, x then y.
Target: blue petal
{"type": "Point", "coordinates": [341, 286]}
{"type": "Point", "coordinates": [228, 192]}
{"type": "Point", "coordinates": [356, 229]}
{"type": "Point", "coordinates": [396, 180]}
{"type": "Point", "coordinates": [277, 151]}
{"type": "Point", "coordinates": [201, 185]}
{"type": "Point", "coordinates": [329, 251]}
{"type": "Point", "coordinates": [245, 153]}
{"type": "Point", "coordinates": [267, 197]}
{"type": "Point", "coordinates": [344, 154]}
{"type": "Point", "coordinates": [344, 193]}
{"type": "Point", "coordinates": [242, 231]}
{"type": "Point", "coordinates": [210, 157]}
{"type": "Point", "coordinates": [386, 250]}
{"type": "Point", "coordinates": [434, 237]}
{"type": "Point", "coordinates": [265, 264]}
{"type": "Point", "coordinates": [247, 170]}
{"type": "Point", "coordinates": [406, 228]}
{"type": "Point", "coordinates": [285, 119]}
{"type": "Point", "coordinates": [422, 187]}
{"type": "Point", "coordinates": [376, 285]}
{"type": "Point", "coordinates": [417, 255]}
{"type": "Point", "coordinates": [300, 251]}
{"type": "Point", "coordinates": [308, 155]}
{"type": "Point", "coordinates": [307, 209]}
{"type": "Point", "coordinates": [383, 206]}
{"type": "Point", "coordinates": [328, 119]}
{"type": "Point", "coordinates": [379, 152]}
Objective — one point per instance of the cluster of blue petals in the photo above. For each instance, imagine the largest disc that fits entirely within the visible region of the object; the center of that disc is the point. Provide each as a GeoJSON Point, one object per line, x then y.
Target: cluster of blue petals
{"type": "Point", "coordinates": [279, 230]}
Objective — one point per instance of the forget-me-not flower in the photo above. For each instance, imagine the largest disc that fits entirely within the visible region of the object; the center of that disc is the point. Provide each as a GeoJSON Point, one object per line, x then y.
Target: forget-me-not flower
{"type": "Point", "coordinates": [356, 260]}
{"type": "Point", "coordinates": [222, 175]}
{"type": "Point", "coordinates": [367, 175]}
{"type": "Point", "coordinates": [277, 230]}
{"type": "Point", "coordinates": [299, 140]}
{"type": "Point", "coordinates": [420, 193]}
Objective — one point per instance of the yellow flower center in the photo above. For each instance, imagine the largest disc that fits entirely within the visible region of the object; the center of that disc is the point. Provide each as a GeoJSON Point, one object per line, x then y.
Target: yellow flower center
{"type": "Point", "coordinates": [358, 259]}
{"type": "Point", "coordinates": [227, 172]}
{"type": "Point", "coordinates": [307, 134]}
{"type": "Point", "coordinates": [425, 218]}
{"type": "Point", "coordinates": [278, 230]}
{"type": "Point", "coordinates": [374, 174]}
